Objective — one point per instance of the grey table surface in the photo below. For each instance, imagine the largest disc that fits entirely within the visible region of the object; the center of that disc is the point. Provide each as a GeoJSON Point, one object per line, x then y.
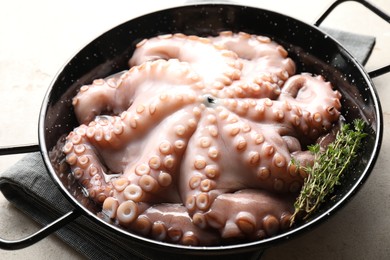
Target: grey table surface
{"type": "Point", "coordinates": [38, 37]}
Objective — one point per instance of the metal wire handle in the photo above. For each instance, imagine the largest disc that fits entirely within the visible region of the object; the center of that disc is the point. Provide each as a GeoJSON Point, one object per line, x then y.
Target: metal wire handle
{"type": "Point", "coordinates": [371, 7]}
{"type": "Point", "coordinates": [40, 234]}
{"type": "Point", "coordinates": [29, 148]}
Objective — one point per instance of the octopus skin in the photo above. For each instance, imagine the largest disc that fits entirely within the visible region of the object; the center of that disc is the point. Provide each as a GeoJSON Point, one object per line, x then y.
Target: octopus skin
{"type": "Point", "coordinates": [193, 144]}
{"type": "Point", "coordinates": [261, 214]}
{"type": "Point", "coordinates": [222, 71]}
{"type": "Point", "coordinates": [265, 65]}
{"type": "Point", "coordinates": [172, 223]}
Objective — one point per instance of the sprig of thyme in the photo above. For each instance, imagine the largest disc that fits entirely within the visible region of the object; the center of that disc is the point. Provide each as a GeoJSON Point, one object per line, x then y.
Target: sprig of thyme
{"type": "Point", "coordinates": [328, 167]}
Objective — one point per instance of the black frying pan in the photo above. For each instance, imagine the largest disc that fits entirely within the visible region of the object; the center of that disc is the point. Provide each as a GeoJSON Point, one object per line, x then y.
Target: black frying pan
{"type": "Point", "coordinates": [312, 49]}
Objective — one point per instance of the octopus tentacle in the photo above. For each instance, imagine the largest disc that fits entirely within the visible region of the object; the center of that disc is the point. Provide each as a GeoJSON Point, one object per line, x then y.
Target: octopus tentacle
{"type": "Point", "coordinates": [250, 214]}
{"type": "Point", "coordinates": [172, 223]}
{"type": "Point", "coordinates": [86, 166]}
{"type": "Point", "coordinates": [199, 168]}
{"type": "Point", "coordinates": [222, 71]}
{"type": "Point", "coordinates": [123, 212]}
{"type": "Point", "coordinates": [289, 118]}
{"type": "Point", "coordinates": [98, 97]}
{"type": "Point", "coordinates": [154, 166]}
{"type": "Point", "coordinates": [318, 102]}
{"type": "Point", "coordinates": [259, 153]}
{"type": "Point", "coordinates": [256, 152]}
{"type": "Point", "coordinates": [265, 65]}
{"type": "Point", "coordinates": [110, 134]}
{"type": "Point", "coordinates": [116, 131]}
{"type": "Point", "coordinates": [117, 94]}
{"type": "Point", "coordinates": [149, 171]}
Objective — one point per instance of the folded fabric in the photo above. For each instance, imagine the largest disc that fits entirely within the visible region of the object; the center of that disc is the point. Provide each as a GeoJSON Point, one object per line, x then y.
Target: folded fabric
{"type": "Point", "coordinates": [29, 187]}
{"type": "Point", "coordinates": [360, 46]}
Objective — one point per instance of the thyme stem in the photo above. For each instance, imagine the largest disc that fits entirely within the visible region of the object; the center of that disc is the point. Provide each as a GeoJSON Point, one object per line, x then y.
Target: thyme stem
{"type": "Point", "coordinates": [328, 167]}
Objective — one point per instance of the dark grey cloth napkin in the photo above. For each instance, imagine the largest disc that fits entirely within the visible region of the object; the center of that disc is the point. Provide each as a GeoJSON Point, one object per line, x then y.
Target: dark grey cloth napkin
{"type": "Point", "coordinates": [360, 46]}
{"type": "Point", "coordinates": [28, 186]}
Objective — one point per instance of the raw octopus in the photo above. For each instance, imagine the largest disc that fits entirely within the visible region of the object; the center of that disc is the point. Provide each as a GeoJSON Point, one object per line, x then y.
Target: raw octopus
{"type": "Point", "coordinates": [193, 144]}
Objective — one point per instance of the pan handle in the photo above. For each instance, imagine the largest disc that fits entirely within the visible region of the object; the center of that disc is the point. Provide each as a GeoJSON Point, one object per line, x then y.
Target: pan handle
{"type": "Point", "coordinates": [40, 234]}
{"type": "Point", "coordinates": [28, 148]}
{"type": "Point", "coordinates": [371, 7]}
{"type": "Point", "coordinates": [48, 229]}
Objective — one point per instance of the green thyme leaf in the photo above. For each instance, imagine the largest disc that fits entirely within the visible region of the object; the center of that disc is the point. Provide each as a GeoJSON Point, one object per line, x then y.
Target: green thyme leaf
{"type": "Point", "coordinates": [328, 167]}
